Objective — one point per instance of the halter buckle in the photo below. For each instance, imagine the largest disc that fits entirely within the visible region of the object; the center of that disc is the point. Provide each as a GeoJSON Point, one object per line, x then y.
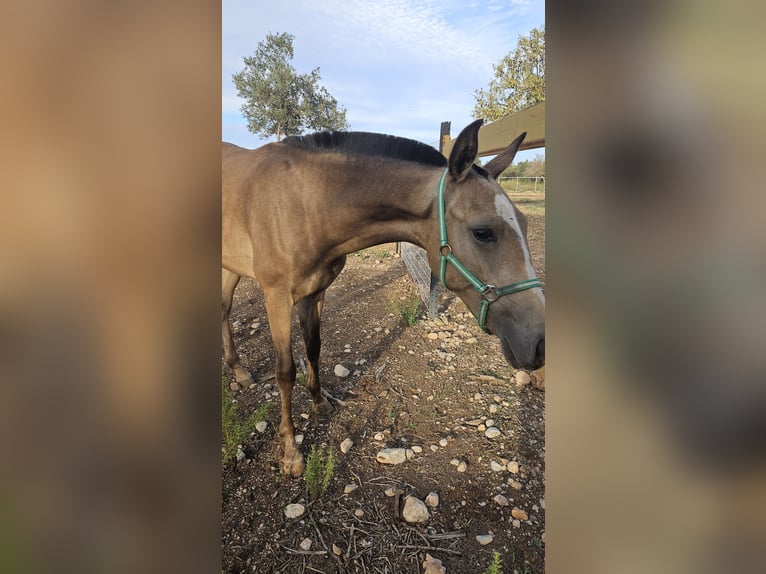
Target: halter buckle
{"type": "Point", "coordinates": [445, 250]}
{"type": "Point", "coordinates": [490, 293]}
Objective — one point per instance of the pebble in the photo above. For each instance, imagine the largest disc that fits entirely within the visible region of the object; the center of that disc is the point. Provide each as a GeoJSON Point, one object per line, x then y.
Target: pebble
{"type": "Point", "coordinates": [432, 499]}
{"type": "Point", "coordinates": [496, 466]}
{"type": "Point", "coordinates": [443, 442]}
{"type": "Point", "coordinates": [523, 378]}
{"type": "Point", "coordinates": [433, 565]}
{"type": "Point", "coordinates": [516, 523]}
{"type": "Point", "coordinates": [358, 512]}
{"type": "Point", "coordinates": [294, 510]}
{"type": "Point", "coordinates": [497, 399]}
{"type": "Point", "coordinates": [306, 544]}
{"type": "Point", "coordinates": [305, 416]}
{"type": "Point", "coordinates": [379, 436]}
{"type": "Point", "coordinates": [454, 462]}
{"type": "Point", "coordinates": [434, 448]}
{"type": "Point", "coordinates": [484, 539]}
{"type": "Point", "coordinates": [336, 550]}
{"type": "Point", "coordinates": [481, 428]}
{"type": "Point", "coordinates": [492, 432]}
{"type": "Point", "coordinates": [235, 386]}
{"type": "Point", "coordinates": [519, 514]}
{"type": "Point", "coordinates": [240, 454]}
{"type": "Point", "coordinates": [341, 371]}
{"type": "Point", "coordinates": [349, 488]}
{"type": "Point", "coordinates": [493, 408]}
{"type": "Point", "coordinates": [433, 336]}
{"type": "Point", "coordinates": [394, 455]}
{"type": "Point", "coordinates": [417, 449]}
{"type": "Point", "coordinates": [474, 422]}
{"type": "Point", "coordinates": [260, 426]}
{"type": "Point", "coordinates": [501, 500]}
{"type": "Point", "coordinates": [346, 445]}
{"type": "Point", "coordinates": [515, 484]}
{"type": "Point", "coordinates": [489, 422]}
{"type": "Point", "coordinates": [513, 467]}
{"type": "Point", "coordinates": [462, 466]}
{"type": "Point", "coordinates": [414, 510]}
{"type": "Point", "coordinates": [299, 439]}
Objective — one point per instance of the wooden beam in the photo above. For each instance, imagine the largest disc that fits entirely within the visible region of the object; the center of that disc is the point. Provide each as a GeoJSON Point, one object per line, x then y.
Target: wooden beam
{"type": "Point", "coordinates": [495, 137]}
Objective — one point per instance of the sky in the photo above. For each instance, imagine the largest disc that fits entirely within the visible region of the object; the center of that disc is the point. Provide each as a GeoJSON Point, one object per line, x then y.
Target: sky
{"type": "Point", "coordinates": [399, 67]}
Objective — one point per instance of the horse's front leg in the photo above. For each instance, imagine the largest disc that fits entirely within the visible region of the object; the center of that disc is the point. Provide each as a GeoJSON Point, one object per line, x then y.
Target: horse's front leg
{"type": "Point", "coordinates": [310, 313]}
{"type": "Point", "coordinates": [279, 308]}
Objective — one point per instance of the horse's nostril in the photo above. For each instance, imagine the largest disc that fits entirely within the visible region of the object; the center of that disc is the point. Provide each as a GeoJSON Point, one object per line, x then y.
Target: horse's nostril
{"type": "Point", "coordinates": [540, 358]}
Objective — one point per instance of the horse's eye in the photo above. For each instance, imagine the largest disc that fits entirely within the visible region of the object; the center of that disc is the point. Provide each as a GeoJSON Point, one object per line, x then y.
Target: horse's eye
{"type": "Point", "coordinates": [484, 235]}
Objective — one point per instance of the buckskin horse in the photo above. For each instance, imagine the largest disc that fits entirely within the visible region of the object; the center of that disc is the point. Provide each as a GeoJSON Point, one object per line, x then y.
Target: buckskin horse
{"type": "Point", "coordinates": [292, 211]}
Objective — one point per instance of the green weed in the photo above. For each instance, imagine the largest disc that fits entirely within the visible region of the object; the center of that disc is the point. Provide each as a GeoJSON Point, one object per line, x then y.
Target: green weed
{"type": "Point", "coordinates": [496, 566]}
{"type": "Point", "coordinates": [234, 430]}
{"type": "Point", "coordinates": [408, 309]}
{"type": "Point", "coordinates": [319, 470]}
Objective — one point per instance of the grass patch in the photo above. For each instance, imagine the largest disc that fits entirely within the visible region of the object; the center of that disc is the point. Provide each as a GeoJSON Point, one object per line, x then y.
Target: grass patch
{"type": "Point", "coordinates": [496, 566]}
{"type": "Point", "coordinates": [320, 467]}
{"type": "Point", "coordinates": [407, 309]}
{"type": "Point", "coordinates": [235, 430]}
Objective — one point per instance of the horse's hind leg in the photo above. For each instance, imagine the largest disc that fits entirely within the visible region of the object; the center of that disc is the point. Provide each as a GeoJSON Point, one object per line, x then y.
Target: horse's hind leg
{"type": "Point", "coordinates": [229, 282]}
{"type": "Point", "coordinates": [310, 313]}
{"type": "Point", "coordinates": [279, 307]}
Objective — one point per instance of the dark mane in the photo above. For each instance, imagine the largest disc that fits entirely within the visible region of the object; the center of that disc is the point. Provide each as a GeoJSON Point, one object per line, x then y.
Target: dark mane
{"type": "Point", "coordinates": [371, 144]}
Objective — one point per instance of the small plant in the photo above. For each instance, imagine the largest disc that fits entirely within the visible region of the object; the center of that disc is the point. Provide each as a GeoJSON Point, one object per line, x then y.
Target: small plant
{"type": "Point", "coordinates": [407, 309]}
{"type": "Point", "coordinates": [319, 470]}
{"type": "Point", "coordinates": [496, 566]}
{"type": "Point", "coordinates": [234, 430]}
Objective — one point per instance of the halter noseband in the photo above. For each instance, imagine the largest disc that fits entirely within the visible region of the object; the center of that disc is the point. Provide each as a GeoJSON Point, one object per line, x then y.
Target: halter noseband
{"type": "Point", "coordinates": [489, 293]}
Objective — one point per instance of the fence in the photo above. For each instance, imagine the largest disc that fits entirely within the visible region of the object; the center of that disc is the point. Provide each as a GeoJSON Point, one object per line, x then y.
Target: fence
{"type": "Point", "coordinates": [528, 184]}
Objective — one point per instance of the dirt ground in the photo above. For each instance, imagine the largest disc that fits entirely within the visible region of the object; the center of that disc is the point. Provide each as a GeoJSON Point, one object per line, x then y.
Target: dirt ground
{"type": "Point", "coordinates": [415, 389]}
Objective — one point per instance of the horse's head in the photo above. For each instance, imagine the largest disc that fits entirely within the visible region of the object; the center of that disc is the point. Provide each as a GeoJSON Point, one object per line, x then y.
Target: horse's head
{"type": "Point", "coordinates": [484, 256]}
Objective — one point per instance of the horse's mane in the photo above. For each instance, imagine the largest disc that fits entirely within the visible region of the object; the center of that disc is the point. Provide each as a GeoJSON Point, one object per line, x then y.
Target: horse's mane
{"type": "Point", "coordinates": [370, 144]}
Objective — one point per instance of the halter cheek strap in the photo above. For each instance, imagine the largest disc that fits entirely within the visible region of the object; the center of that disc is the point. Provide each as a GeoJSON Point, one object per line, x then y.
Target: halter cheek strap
{"type": "Point", "coordinates": [489, 293]}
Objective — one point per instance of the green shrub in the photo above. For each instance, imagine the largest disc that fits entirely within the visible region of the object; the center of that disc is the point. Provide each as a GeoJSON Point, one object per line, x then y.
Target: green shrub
{"type": "Point", "coordinates": [319, 470]}
{"type": "Point", "coordinates": [407, 309]}
{"type": "Point", "coordinates": [234, 430]}
{"type": "Point", "coordinates": [496, 566]}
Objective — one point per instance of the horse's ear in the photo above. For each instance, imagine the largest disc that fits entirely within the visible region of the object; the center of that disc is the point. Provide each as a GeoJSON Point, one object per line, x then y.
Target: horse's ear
{"type": "Point", "coordinates": [464, 151]}
{"type": "Point", "coordinates": [505, 158]}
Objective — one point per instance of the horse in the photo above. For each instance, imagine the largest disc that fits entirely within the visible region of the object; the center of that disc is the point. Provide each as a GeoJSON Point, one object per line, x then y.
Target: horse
{"type": "Point", "coordinates": [293, 210]}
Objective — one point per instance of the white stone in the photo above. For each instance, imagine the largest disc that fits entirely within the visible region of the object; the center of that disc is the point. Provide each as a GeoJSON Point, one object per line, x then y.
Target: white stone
{"type": "Point", "coordinates": [358, 512]}
{"type": "Point", "coordinates": [240, 454]}
{"type": "Point", "coordinates": [393, 455]}
{"type": "Point", "coordinates": [492, 432]}
{"type": "Point", "coordinates": [516, 523]}
{"type": "Point", "coordinates": [443, 442]}
{"type": "Point", "coordinates": [379, 436]}
{"type": "Point", "coordinates": [336, 550]}
{"type": "Point", "coordinates": [306, 544]}
{"type": "Point", "coordinates": [393, 491]}
{"type": "Point", "coordinates": [346, 445]}
{"type": "Point", "coordinates": [513, 467]}
{"type": "Point", "coordinates": [515, 484]}
{"type": "Point", "coordinates": [341, 371]}
{"type": "Point", "coordinates": [414, 510]}
{"type": "Point", "coordinates": [489, 422]}
{"type": "Point", "coordinates": [454, 462]}
{"type": "Point", "coordinates": [501, 500]}
{"type": "Point", "coordinates": [462, 466]}
{"type": "Point", "coordinates": [493, 408]}
{"type": "Point", "coordinates": [294, 510]}
{"type": "Point", "coordinates": [433, 447]}
{"type": "Point", "coordinates": [432, 499]}
{"type": "Point", "coordinates": [481, 428]}
{"type": "Point", "coordinates": [299, 439]}
{"type": "Point", "coordinates": [496, 466]}
{"type": "Point", "coordinates": [260, 426]}
{"type": "Point", "coordinates": [522, 378]}
{"type": "Point", "coordinates": [417, 449]}
{"type": "Point", "coordinates": [519, 514]}
{"type": "Point", "coordinates": [484, 539]}
{"type": "Point", "coordinates": [349, 488]}
{"type": "Point", "coordinates": [433, 565]}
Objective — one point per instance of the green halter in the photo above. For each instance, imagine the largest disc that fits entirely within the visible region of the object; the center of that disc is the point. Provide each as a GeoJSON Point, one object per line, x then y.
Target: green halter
{"type": "Point", "coordinates": [489, 293]}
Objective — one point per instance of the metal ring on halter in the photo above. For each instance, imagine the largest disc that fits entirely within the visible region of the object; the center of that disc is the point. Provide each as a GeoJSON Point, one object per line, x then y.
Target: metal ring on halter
{"type": "Point", "coordinates": [490, 293]}
{"type": "Point", "coordinates": [448, 248]}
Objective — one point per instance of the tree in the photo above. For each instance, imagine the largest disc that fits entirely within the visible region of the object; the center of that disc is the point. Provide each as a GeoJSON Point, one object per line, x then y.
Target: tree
{"type": "Point", "coordinates": [519, 80]}
{"type": "Point", "coordinates": [278, 100]}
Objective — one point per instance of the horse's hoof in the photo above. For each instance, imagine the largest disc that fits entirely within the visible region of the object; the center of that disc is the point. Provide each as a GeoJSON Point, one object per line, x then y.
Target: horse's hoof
{"type": "Point", "coordinates": [293, 466]}
{"type": "Point", "coordinates": [324, 408]}
{"type": "Point", "coordinates": [243, 378]}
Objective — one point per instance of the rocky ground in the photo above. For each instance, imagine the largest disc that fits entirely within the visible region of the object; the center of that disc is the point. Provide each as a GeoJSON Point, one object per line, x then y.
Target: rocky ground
{"type": "Point", "coordinates": [470, 472]}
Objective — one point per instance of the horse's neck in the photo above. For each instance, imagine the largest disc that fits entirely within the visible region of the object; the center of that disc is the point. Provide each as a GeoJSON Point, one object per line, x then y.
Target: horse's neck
{"type": "Point", "coordinates": [389, 204]}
